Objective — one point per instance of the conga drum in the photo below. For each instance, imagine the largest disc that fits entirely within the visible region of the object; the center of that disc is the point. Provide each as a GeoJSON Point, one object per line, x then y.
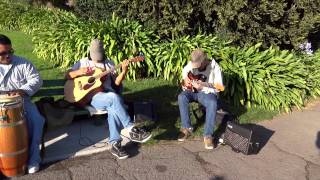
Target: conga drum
{"type": "Point", "coordinates": [13, 136]}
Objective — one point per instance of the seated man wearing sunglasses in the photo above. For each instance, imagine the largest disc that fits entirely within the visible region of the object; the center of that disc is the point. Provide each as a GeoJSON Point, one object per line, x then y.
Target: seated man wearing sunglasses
{"type": "Point", "coordinates": [19, 77]}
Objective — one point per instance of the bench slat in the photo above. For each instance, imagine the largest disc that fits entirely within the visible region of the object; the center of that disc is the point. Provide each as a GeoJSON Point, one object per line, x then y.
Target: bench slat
{"type": "Point", "coordinates": [53, 82]}
{"type": "Point", "coordinates": [49, 92]}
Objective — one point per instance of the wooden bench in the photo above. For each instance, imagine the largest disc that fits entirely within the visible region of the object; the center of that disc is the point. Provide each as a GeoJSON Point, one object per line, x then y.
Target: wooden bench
{"type": "Point", "coordinates": [54, 88]}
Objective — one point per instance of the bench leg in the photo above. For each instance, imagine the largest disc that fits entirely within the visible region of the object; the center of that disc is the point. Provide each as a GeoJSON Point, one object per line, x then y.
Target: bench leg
{"type": "Point", "coordinates": [43, 148]}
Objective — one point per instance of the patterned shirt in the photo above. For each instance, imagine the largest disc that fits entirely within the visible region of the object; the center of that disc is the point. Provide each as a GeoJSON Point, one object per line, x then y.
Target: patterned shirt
{"type": "Point", "coordinates": [19, 74]}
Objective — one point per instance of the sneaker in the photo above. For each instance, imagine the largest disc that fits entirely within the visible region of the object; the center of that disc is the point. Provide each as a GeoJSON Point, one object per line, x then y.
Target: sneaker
{"type": "Point", "coordinates": [118, 151]}
{"type": "Point", "coordinates": [33, 169]}
{"type": "Point", "coordinates": [136, 134]}
{"type": "Point", "coordinates": [185, 133]}
{"type": "Point", "coordinates": [208, 142]}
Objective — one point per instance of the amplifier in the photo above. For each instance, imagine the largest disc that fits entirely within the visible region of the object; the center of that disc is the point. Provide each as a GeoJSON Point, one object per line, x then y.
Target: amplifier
{"type": "Point", "coordinates": [240, 138]}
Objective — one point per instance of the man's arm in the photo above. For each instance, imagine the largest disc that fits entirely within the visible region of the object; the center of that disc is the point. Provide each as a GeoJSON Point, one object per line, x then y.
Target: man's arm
{"type": "Point", "coordinates": [185, 79]}
{"type": "Point", "coordinates": [218, 79]}
{"type": "Point", "coordinates": [122, 75]}
{"type": "Point", "coordinates": [71, 74]}
{"type": "Point", "coordinates": [77, 71]}
{"type": "Point", "coordinates": [34, 81]}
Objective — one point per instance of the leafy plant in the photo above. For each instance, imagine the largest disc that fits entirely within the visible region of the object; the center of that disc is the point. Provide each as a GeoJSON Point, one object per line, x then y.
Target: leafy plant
{"type": "Point", "coordinates": [271, 78]}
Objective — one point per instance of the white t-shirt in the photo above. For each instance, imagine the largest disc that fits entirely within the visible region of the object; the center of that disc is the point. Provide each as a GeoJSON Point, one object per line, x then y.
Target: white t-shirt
{"type": "Point", "coordinates": [85, 62]}
{"type": "Point", "coordinates": [212, 75]}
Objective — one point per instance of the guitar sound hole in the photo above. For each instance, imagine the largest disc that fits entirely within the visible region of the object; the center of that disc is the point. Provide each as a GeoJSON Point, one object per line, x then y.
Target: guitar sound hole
{"type": "Point", "coordinates": [91, 80]}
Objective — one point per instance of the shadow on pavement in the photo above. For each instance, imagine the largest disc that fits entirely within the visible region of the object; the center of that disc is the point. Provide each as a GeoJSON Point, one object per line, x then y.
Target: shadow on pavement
{"type": "Point", "coordinates": [318, 140]}
{"type": "Point", "coordinates": [132, 148]}
{"type": "Point", "coordinates": [260, 134]}
{"type": "Point", "coordinates": [217, 178]}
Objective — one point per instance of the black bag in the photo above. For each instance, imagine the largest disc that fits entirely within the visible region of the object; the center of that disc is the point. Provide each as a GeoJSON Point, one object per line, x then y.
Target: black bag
{"type": "Point", "coordinates": [240, 138]}
{"type": "Point", "coordinates": [57, 113]}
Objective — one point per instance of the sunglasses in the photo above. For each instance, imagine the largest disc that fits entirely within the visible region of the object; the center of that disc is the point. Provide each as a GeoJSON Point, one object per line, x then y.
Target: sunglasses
{"type": "Point", "coordinates": [4, 53]}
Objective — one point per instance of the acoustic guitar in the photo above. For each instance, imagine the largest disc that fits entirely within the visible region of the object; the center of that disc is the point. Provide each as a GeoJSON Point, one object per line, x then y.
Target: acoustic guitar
{"type": "Point", "coordinates": [200, 78]}
{"type": "Point", "coordinates": [80, 90]}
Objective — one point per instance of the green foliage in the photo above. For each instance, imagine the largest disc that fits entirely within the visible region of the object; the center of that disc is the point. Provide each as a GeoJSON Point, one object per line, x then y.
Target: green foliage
{"type": "Point", "coordinates": [283, 23]}
{"type": "Point", "coordinates": [62, 38]}
{"type": "Point", "coordinates": [94, 9]}
{"type": "Point", "coordinates": [171, 56]}
{"type": "Point", "coordinates": [23, 46]}
{"type": "Point", "coordinates": [68, 39]}
{"type": "Point", "coordinates": [312, 64]}
{"type": "Point", "coordinates": [270, 78]}
{"type": "Point", "coordinates": [10, 14]}
{"type": "Point", "coordinates": [168, 18]}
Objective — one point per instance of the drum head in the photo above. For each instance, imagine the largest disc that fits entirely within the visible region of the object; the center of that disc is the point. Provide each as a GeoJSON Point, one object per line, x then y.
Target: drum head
{"type": "Point", "coordinates": [6, 100]}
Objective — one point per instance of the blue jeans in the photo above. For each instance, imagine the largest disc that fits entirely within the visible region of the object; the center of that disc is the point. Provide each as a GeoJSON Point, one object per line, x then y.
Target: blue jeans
{"type": "Point", "coordinates": [35, 123]}
{"type": "Point", "coordinates": [209, 101]}
{"type": "Point", "coordinates": [118, 118]}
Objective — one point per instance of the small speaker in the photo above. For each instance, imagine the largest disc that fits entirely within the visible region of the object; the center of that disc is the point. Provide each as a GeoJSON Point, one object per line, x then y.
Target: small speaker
{"type": "Point", "coordinates": [239, 138]}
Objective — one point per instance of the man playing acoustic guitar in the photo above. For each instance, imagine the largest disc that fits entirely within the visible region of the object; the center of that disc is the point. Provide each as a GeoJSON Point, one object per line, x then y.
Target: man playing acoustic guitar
{"type": "Point", "coordinates": [202, 80]}
{"type": "Point", "coordinates": [109, 100]}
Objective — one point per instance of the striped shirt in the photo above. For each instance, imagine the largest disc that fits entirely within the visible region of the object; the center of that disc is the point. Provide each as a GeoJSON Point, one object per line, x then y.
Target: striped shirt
{"type": "Point", "coordinates": [19, 74]}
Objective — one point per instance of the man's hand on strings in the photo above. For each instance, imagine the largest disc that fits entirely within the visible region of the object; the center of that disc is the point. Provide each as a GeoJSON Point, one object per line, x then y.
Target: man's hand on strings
{"type": "Point", "coordinates": [197, 85]}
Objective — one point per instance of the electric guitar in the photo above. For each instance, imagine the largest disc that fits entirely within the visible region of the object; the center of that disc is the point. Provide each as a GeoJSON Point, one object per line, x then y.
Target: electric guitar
{"type": "Point", "coordinates": [200, 79]}
{"type": "Point", "coordinates": [80, 90]}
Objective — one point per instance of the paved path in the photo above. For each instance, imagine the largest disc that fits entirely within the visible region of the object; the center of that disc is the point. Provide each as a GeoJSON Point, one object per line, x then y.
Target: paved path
{"type": "Point", "coordinates": [291, 150]}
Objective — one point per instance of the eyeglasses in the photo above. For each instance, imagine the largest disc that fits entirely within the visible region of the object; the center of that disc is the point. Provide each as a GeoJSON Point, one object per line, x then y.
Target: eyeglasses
{"type": "Point", "coordinates": [4, 53]}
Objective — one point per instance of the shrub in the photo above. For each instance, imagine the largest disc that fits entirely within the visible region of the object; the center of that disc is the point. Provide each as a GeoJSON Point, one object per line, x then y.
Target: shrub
{"type": "Point", "coordinates": [283, 23]}
{"type": "Point", "coordinates": [10, 14]}
{"type": "Point", "coordinates": [270, 78]}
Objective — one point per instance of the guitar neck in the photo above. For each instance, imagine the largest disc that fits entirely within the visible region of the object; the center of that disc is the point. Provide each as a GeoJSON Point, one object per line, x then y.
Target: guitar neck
{"type": "Point", "coordinates": [104, 73]}
{"type": "Point", "coordinates": [135, 59]}
{"type": "Point", "coordinates": [212, 85]}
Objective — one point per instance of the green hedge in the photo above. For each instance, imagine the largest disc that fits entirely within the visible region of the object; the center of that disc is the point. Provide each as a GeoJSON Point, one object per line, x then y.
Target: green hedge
{"type": "Point", "coordinates": [270, 78]}
{"type": "Point", "coordinates": [284, 23]}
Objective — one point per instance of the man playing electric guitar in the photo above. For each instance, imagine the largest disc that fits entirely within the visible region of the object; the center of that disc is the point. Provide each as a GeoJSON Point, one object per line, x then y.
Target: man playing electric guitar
{"type": "Point", "coordinates": [108, 99]}
{"type": "Point", "coordinates": [202, 80]}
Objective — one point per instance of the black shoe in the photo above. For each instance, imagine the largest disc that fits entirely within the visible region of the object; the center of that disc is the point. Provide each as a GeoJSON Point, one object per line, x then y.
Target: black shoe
{"type": "Point", "coordinates": [137, 134]}
{"type": "Point", "coordinates": [118, 151]}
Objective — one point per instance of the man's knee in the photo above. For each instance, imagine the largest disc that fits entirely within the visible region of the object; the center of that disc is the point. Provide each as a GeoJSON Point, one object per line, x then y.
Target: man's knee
{"type": "Point", "coordinates": [211, 104]}
{"type": "Point", "coordinates": [111, 95]}
{"type": "Point", "coordinates": [182, 97]}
